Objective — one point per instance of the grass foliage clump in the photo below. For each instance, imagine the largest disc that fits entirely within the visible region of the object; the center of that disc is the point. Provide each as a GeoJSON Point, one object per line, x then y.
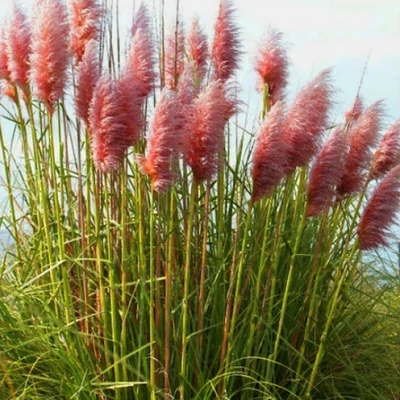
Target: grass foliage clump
{"type": "Point", "coordinates": [163, 250]}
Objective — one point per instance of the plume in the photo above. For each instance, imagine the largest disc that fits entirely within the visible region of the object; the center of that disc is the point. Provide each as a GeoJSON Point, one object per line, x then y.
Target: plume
{"type": "Point", "coordinates": [355, 111]}
{"type": "Point", "coordinates": [110, 135]}
{"type": "Point", "coordinates": [387, 156]}
{"type": "Point", "coordinates": [326, 172]}
{"type": "Point", "coordinates": [363, 137]}
{"type": "Point", "coordinates": [380, 212]}
{"type": "Point", "coordinates": [139, 69]}
{"type": "Point", "coordinates": [88, 74]}
{"type": "Point", "coordinates": [4, 69]}
{"type": "Point", "coordinates": [18, 39]}
{"type": "Point", "coordinates": [85, 23]}
{"type": "Point", "coordinates": [226, 52]}
{"type": "Point", "coordinates": [174, 56]}
{"type": "Point", "coordinates": [8, 89]}
{"type": "Point", "coordinates": [141, 19]}
{"type": "Point", "coordinates": [197, 48]}
{"type": "Point", "coordinates": [271, 65]}
{"type": "Point", "coordinates": [50, 54]}
{"type": "Point", "coordinates": [204, 141]}
{"type": "Point", "coordinates": [306, 120]}
{"type": "Point", "coordinates": [163, 145]}
{"type": "Point", "coordinates": [269, 154]}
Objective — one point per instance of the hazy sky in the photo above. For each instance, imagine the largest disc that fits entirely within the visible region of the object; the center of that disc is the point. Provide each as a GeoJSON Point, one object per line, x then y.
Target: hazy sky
{"type": "Point", "coordinates": [343, 34]}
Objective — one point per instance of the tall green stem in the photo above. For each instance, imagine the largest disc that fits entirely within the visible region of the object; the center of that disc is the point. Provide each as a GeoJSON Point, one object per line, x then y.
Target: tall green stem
{"type": "Point", "coordinates": [186, 286]}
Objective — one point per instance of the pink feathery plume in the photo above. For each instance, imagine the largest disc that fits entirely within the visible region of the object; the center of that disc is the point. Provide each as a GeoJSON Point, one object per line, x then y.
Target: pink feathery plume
{"type": "Point", "coordinates": [131, 103]}
{"type": "Point", "coordinates": [387, 156]}
{"type": "Point", "coordinates": [174, 56]}
{"type": "Point", "coordinates": [139, 68]}
{"type": "Point", "coordinates": [50, 51]}
{"type": "Point", "coordinates": [204, 141]}
{"type": "Point", "coordinates": [18, 39]}
{"type": "Point", "coordinates": [88, 74]}
{"type": "Point", "coordinates": [271, 65]}
{"type": "Point", "coordinates": [325, 173]}
{"type": "Point", "coordinates": [380, 212]}
{"type": "Point", "coordinates": [355, 111]}
{"type": "Point", "coordinates": [269, 155]}
{"type": "Point", "coordinates": [363, 136]}
{"type": "Point", "coordinates": [164, 143]}
{"type": "Point", "coordinates": [85, 24]}
{"type": "Point", "coordinates": [4, 69]}
{"type": "Point", "coordinates": [225, 54]}
{"type": "Point", "coordinates": [141, 19]}
{"type": "Point", "coordinates": [110, 136]}
{"type": "Point", "coordinates": [186, 93]}
{"type": "Point", "coordinates": [197, 48]}
{"type": "Point", "coordinates": [306, 120]}
{"type": "Point", "coordinates": [187, 90]}
{"type": "Point", "coordinates": [8, 89]}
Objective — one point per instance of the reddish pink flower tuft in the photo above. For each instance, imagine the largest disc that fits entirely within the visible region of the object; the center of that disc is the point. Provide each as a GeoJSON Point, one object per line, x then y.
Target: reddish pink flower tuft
{"type": "Point", "coordinates": [326, 172]}
{"type": "Point", "coordinates": [226, 51]}
{"type": "Point", "coordinates": [388, 154]}
{"type": "Point", "coordinates": [363, 136]}
{"type": "Point", "coordinates": [204, 141]}
{"type": "Point", "coordinates": [18, 38]}
{"type": "Point", "coordinates": [197, 48]}
{"type": "Point", "coordinates": [306, 120]}
{"type": "Point", "coordinates": [110, 135]}
{"type": "Point", "coordinates": [272, 66]}
{"type": "Point", "coordinates": [187, 90]}
{"type": "Point", "coordinates": [355, 111]}
{"type": "Point", "coordinates": [4, 70]}
{"type": "Point", "coordinates": [164, 143]}
{"type": "Point", "coordinates": [380, 212]}
{"type": "Point", "coordinates": [88, 74]}
{"type": "Point", "coordinates": [174, 56]}
{"type": "Point", "coordinates": [8, 89]}
{"type": "Point", "coordinates": [85, 23]}
{"type": "Point", "coordinates": [141, 19]}
{"type": "Point", "coordinates": [269, 155]}
{"type": "Point", "coordinates": [131, 105]}
{"type": "Point", "coordinates": [50, 54]}
{"type": "Point", "coordinates": [139, 69]}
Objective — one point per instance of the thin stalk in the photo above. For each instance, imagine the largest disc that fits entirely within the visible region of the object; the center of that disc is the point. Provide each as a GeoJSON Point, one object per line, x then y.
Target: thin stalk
{"type": "Point", "coordinates": [142, 267]}
{"type": "Point", "coordinates": [168, 294]}
{"type": "Point", "coordinates": [261, 267]}
{"type": "Point", "coordinates": [237, 295]}
{"type": "Point", "coordinates": [41, 186]}
{"type": "Point", "coordinates": [265, 101]}
{"type": "Point", "coordinates": [186, 284]}
{"type": "Point", "coordinates": [28, 167]}
{"type": "Point", "coordinates": [289, 279]}
{"type": "Point", "coordinates": [124, 215]}
{"type": "Point", "coordinates": [321, 349]}
{"type": "Point", "coordinates": [102, 304]}
{"type": "Point", "coordinates": [114, 306]}
{"type": "Point", "coordinates": [315, 276]}
{"type": "Point", "coordinates": [339, 281]}
{"type": "Point", "coordinates": [60, 229]}
{"type": "Point", "coordinates": [200, 310]}
{"type": "Point", "coordinates": [152, 326]}
{"type": "Point", "coordinates": [11, 199]}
